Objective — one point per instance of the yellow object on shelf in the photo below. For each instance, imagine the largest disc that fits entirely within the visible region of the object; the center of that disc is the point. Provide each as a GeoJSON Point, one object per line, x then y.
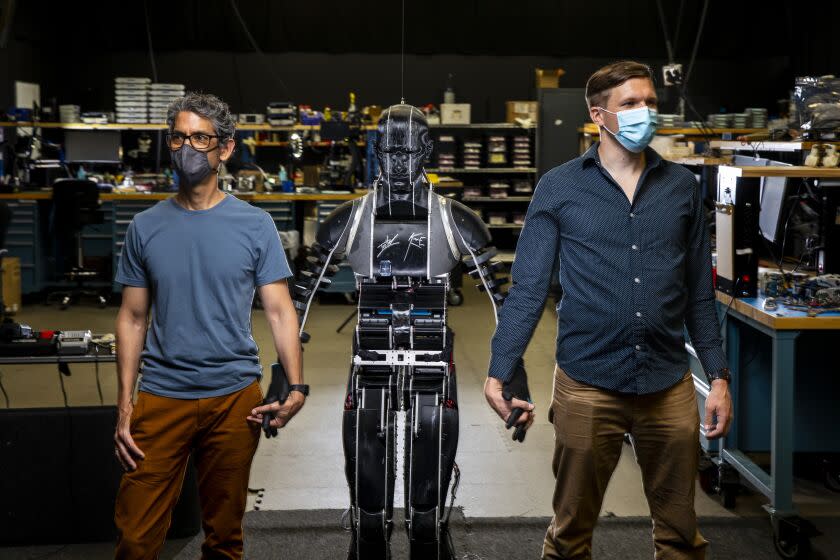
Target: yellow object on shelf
{"type": "Point", "coordinates": [11, 284]}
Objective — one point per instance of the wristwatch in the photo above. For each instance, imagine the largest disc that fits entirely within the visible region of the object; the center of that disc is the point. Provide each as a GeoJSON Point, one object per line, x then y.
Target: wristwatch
{"type": "Point", "coordinates": [300, 389]}
{"type": "Point", "coordinates": [722, 373]}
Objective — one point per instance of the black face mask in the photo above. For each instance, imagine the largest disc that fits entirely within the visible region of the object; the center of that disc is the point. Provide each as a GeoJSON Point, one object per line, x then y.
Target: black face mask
{"type": "Point", "coordinates": [191, 165]}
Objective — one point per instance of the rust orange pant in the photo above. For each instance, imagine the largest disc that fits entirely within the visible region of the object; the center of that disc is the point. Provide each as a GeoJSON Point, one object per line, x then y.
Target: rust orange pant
{"type": "Point", "coordinates": [222, 443]}
{"type": "Point", "coordinates": [589, 427]}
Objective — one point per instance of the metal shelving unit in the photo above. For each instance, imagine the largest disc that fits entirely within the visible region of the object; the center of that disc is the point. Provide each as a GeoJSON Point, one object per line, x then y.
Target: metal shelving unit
{"type": "Point", "coordinates": [482, 170]}
{"type": "Point", "coordinates": [491, 199]}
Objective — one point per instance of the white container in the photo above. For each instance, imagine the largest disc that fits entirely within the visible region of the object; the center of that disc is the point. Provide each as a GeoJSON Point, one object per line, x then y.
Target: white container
{"type": "Point", "coordinates": [455, 113]}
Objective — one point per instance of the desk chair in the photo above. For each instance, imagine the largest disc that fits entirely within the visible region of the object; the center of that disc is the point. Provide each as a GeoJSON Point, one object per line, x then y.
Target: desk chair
{"type": "Point", "coordinates": [75, 205]}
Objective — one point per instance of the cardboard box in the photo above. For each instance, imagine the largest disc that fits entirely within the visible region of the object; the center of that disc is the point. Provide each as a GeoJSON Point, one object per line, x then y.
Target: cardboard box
{"type": "Point", "coordinates": [548, 77]}
{"type": "Point", "coordinates": [11, 284]}
{"type": "Point", "coordinates": [455, 113]}
{"type": "Point", "coordinates": [521, 110]}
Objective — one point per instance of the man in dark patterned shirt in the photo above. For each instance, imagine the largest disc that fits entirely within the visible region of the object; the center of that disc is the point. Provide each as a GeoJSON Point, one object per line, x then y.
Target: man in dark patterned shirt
{"type": "Point", "coordinates": [629, 231]}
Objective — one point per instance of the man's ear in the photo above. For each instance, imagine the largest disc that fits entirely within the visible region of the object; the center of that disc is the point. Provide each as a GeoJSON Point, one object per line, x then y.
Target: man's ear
{"type": "Point", "coordinates": [596, 116]}
{"type": "Point", "coordinates": [227, 149]}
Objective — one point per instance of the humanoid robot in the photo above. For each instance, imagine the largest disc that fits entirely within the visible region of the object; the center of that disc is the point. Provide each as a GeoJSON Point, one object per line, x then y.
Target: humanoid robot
{"type": "Point", "coordinates": [402, 240]}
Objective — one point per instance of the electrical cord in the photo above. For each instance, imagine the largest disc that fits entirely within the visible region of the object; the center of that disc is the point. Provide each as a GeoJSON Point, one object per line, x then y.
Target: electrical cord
{"type": "Point", "coordinates": [149, 40]}
{"type": "Point", "coordinates": [98, 384]}
{"type": "Point", "coordinates": [455, 484]}
{"type": "Point", "coordinates": [729, 306]}
{"type": "Point", "coordinates": [3, 390]}
{"type": "Point", "coordinates": [63, 389]}
{"type": "Point", "coordinates": [257, 49]}
{"type": "Point", "coordinates": [668, 47]}
{"type": "Point", "coordinates": [696, 45]}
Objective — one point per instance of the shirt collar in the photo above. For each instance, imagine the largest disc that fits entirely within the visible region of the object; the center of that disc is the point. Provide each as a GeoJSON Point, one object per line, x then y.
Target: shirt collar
{"type": "Point", "coordinates": [591, 156]}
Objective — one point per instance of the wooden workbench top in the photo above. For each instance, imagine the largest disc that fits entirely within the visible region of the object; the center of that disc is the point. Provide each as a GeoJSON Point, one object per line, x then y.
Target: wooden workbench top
{"type": "Point", "coordinates": [782, 319]}
{"type": "Point", "coordinates": [781, 171]}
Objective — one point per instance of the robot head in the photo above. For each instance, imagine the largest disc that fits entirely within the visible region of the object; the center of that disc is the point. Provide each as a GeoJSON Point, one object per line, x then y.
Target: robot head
{"type": "Point", "coordinates": [402, 147]}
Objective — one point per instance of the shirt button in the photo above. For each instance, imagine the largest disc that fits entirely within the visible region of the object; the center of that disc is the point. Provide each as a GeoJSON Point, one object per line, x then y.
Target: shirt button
{"type": "Point", "coordinates": [638, 313]}
{"type": "Point", "coordinates": [638, 347]}
{"type": "Point", "coordinates": [636, 280]}
{"type": "Point", "coordinates": [635, 247]}
{"type": "Point", "coordinates": [632, 215]}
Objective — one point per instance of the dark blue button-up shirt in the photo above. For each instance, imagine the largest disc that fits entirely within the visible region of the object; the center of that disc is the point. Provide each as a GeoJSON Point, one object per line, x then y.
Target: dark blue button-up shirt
{"type": "Point", "coordinates": [633, 276]}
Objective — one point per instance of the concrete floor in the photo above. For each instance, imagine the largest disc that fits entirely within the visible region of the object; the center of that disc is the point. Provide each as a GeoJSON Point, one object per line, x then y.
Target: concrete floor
{"type": "Point", "coordinates": [303, 468]}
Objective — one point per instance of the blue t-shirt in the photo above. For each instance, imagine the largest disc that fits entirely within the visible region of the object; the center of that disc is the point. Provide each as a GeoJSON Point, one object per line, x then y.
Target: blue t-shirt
{"type": "Point", "coordinates": [201, 268]}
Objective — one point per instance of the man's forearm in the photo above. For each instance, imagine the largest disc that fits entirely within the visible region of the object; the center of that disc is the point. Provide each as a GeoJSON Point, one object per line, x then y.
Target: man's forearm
{"type": "Point", "coordinates": [284, 331]}
{"type": "Point", "coordinates": [130, 336]}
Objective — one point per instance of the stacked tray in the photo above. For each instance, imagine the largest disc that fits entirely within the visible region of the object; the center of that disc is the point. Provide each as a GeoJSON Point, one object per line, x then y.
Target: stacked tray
{"type": "Point", "coordinates": [522, 151]}
{"type": "Point", "coordinates": [131, 99]}
{"type": "Point", "coordinates": [160, 97]}
{"type": "Point", "coordinates": [472, 155]}
{"type": "Point", "coordinates": [281, 113]}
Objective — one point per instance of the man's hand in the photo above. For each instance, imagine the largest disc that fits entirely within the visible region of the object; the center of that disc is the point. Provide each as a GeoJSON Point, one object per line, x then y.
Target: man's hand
{"type": "Point", "coordinates": [126, 450]}
{"type": "Point", "coordinates": [718, 410]}
{"type": "Point", "coordinates": [281, 413]}
{"type": "Point", "coordinates": [493, 393]}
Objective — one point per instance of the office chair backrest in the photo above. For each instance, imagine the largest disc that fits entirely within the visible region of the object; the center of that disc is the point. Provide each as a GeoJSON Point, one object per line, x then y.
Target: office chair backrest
{"type": "Point", "coordinates": [75, 205]}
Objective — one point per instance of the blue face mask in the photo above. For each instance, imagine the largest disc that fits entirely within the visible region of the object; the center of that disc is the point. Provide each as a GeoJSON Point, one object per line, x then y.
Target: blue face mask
{"type": "Point", "coordinates": [636, 127]}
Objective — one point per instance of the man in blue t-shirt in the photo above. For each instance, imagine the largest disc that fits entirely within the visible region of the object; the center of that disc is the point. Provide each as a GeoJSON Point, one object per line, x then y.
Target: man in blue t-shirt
{"type": "Point", "coordinates": [195, 260]}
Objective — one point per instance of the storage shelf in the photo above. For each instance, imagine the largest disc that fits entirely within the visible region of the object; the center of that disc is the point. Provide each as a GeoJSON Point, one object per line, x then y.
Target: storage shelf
{"type": "Point", "coordinates": [483, 170]}
{"type": "Point", "coordinates": [158, 126]}
{"type": "Point", "coordinates": [479, 126]}
{"type": "Point", "coordinates": [245, 127]}
{"type": "Point", "coordinates": [491, 199]}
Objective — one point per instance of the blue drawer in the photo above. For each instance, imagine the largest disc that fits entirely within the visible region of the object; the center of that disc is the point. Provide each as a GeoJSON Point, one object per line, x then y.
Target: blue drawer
{"type": "Point", "coordinates": [22, 242]}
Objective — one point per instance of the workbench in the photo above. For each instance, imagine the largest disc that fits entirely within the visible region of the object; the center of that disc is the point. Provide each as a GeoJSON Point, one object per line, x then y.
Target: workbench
{"type": "Point", "coordinates": [29, 237]}
{"type": "Point", "coordinates": [96, 355]}
{"type": "Point", "coordinates": [783, 326]}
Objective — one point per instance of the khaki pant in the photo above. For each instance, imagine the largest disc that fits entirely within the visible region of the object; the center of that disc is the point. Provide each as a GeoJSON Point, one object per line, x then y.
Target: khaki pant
{"type": "Point", "coordinates": [222, 443]}
{"type": "Point", "coordinates": [589, 427]}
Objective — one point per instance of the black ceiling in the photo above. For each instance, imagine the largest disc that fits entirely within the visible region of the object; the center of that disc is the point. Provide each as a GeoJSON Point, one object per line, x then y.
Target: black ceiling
{"type": "Point", "coordinates": [605, 28]}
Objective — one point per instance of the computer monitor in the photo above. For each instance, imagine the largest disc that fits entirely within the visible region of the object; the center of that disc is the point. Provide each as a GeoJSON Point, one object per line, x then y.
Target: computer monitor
{"type": "Point", "coordinates": [774, 193]}
{"type": "Point", "coordinates": [92, 146]}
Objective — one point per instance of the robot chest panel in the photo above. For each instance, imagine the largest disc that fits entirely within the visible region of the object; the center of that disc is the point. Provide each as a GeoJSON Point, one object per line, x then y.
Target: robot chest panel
{"type": "Point", "coordinates": [400, 248]}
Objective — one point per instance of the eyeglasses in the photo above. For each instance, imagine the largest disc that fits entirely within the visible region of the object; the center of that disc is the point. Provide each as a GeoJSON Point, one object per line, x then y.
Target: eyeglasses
{"type": "Point", "coordinates": [198, 140]}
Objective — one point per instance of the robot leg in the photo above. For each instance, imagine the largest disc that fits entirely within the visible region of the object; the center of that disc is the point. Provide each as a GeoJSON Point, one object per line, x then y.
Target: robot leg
{"type": "Point", "coordinates": [369, 452]}
{"type": "Point", "coordinates": [431, 440]}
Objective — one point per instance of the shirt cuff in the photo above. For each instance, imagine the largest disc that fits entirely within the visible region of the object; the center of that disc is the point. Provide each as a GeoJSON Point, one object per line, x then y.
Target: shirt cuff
{"type": "Point", "coordinates": [712, 359]}
{"type": "Point", "coordinates": [502, 368]}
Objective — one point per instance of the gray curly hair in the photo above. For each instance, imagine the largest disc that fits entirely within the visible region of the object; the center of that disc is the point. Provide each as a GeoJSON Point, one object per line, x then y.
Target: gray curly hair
{"type": "Point", "coordinates": [205, 105]}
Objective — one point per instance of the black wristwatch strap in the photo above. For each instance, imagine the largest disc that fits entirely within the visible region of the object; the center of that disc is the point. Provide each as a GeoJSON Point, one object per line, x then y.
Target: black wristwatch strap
{"type": "Point", "coordinates": [300, 389]}
{"type": "Point", "coordinates": [722, 373]}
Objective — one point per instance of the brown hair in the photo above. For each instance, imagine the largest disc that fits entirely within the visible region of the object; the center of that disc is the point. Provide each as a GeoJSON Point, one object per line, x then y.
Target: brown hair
{"type": "Point", "coordinates": [613, 75]}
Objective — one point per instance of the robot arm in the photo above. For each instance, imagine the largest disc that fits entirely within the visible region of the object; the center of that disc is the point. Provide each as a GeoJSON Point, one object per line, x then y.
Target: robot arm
{"type": "Point", "coordinates": [329, 244]}
{"type": "Point", "coordinates": [473, 240]}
